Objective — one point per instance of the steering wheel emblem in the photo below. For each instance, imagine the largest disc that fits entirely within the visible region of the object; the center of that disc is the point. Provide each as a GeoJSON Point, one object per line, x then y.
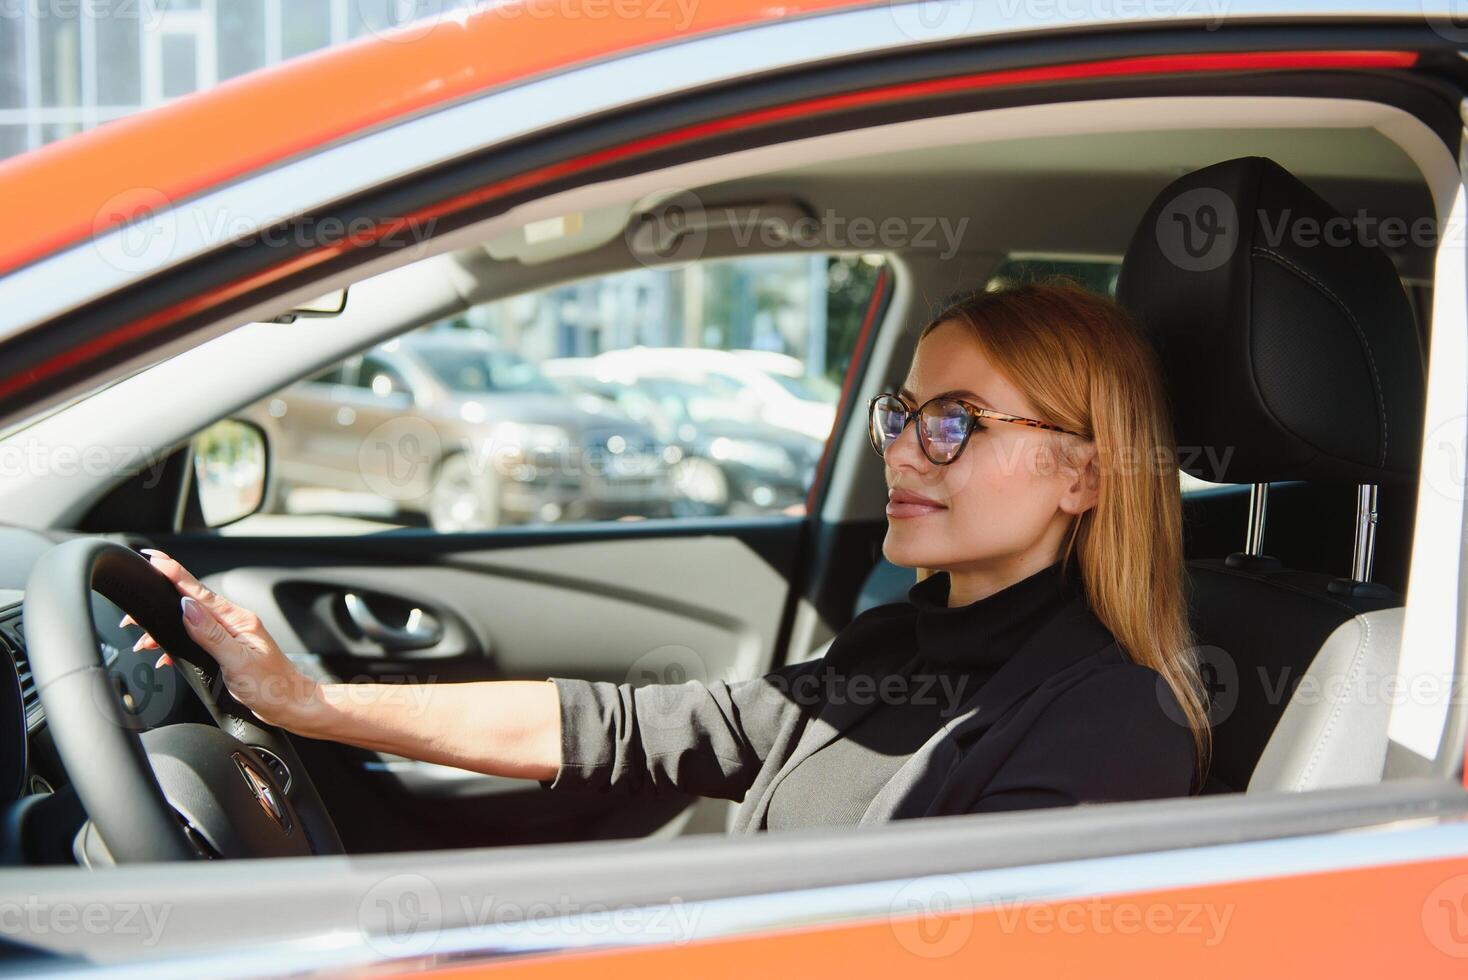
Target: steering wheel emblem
{"type": "Point", "coordinates": [264, 793]}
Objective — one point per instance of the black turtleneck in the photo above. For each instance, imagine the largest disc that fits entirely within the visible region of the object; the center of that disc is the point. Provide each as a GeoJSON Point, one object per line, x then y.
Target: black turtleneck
{"type": "Point", "coordinates": [954, 651]}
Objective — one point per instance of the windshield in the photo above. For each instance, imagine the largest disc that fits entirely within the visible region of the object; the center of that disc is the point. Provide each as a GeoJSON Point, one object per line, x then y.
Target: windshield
{"type": "Point", "coordinates": [484, 372]}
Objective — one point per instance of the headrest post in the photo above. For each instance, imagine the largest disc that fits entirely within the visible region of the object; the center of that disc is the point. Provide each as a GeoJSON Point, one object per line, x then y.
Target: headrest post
{"type": "Point", "coordinates": [1253, 556]}
{"type": "Point", "coordinates": [1365, 546]}
{"type": "Point", "coordinates": [1364, 551]}
{"type": "Point", "coordinates": [1258, 508]}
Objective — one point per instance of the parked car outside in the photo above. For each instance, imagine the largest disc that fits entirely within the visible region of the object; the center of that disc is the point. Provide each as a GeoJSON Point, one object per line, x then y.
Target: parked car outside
{"type": "Point", "coordinates": [727, 375]}
{"type": "Point", "coordinates": [446, 424]}
{"type": "Point", "coordinates": [733, 462]}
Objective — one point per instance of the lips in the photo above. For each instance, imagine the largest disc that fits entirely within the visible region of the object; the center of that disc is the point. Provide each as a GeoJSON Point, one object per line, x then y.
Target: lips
{"type": "Point", "coordinates": [906, 503]}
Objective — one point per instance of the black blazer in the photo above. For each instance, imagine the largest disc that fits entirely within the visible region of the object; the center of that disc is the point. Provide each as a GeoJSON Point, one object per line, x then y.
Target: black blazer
{"type": "Point", "coordinates": [1067, 719]}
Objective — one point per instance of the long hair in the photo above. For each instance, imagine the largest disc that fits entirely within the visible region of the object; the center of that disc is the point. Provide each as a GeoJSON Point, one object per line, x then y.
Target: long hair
{"type": "Point", "coordinates": [1085, 364]}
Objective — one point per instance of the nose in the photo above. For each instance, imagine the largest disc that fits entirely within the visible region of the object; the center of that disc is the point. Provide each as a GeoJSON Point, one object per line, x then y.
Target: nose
{"type": "Point", "coordinates": [905, 453]}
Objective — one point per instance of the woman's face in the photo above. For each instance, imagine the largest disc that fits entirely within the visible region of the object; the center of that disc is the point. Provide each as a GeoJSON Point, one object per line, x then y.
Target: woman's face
{"type": "Point", "coordinates": [1006, 502]}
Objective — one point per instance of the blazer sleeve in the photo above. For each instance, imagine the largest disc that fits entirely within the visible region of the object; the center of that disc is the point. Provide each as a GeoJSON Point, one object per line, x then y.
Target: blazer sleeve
{"type": "Point", "coordinates": [705, 738]}
{"type": "Point", "coordinates": [1117, 735]}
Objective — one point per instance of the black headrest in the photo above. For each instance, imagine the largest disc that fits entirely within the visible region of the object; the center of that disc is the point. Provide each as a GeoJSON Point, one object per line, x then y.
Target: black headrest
{"type": "Point", "coordinates": [1287, 342]}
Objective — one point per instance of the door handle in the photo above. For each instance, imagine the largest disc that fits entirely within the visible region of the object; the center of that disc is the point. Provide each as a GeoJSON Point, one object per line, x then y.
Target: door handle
{"type": "Point", "coordinates": [421, 629]}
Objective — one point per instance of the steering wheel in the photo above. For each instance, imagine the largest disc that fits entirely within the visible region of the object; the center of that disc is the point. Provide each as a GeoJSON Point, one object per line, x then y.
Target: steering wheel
{"type": "Point", "coordinates": [182, 791]}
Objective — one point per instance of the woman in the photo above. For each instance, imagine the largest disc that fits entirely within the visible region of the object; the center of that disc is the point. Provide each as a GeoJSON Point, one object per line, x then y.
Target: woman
{"type": "Point", "coordinates": [1044, 660]}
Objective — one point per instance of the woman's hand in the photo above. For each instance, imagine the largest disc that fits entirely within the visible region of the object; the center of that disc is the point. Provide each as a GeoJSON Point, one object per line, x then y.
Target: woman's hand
{"type": "Point", "coordinates": [251, 664]}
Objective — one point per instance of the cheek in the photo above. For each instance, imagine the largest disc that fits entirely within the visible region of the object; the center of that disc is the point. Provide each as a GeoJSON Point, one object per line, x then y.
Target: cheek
{"type": "Point", "coordinates": [1002, 484]}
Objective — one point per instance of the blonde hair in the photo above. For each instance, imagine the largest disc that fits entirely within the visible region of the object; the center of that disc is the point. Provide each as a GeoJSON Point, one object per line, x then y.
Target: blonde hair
{"type": "Point", "coordinates": [1084, 363]}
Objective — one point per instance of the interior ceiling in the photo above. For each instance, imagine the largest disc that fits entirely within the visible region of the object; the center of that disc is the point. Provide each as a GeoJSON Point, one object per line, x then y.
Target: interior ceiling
{"type": "Point", "coordinates": [1083, 194]}
{"type": "Point", "coordinates": [1075, 194]}
{"type": "Point", "coordinates": [1329, 153]}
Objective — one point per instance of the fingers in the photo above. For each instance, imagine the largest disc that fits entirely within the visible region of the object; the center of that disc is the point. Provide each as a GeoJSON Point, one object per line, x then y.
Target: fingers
{"type": "Point", "coordinates": [233, 618]}
{"type": "Point", "coordinates": [209, 632]}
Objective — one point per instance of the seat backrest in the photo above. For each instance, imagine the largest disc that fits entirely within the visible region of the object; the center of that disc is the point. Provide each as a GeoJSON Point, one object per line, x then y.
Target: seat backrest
{"type": "Point", "coordinates": [1260, 634]}
{"type": "Point", "coordinates": [1286, 356]}
{"type": "Point", "coordinates": [1334, 732]}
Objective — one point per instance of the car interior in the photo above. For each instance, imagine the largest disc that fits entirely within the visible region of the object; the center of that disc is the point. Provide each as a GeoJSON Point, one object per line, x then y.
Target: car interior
{"type": "Point", "coordinates": [1309, 364]}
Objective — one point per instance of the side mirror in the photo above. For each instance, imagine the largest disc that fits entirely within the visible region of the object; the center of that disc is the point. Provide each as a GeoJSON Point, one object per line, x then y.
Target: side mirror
{"type": "Point", "coordinates": [229, 471]}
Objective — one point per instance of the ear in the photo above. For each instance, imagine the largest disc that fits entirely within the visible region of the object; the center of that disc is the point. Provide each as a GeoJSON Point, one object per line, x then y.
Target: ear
{"type": "Point", "coordinates": [1085, 487]}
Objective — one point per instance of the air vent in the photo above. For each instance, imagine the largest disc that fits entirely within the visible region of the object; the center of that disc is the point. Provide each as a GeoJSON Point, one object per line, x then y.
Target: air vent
{"type": "Point", "coordinates": [12, 639]}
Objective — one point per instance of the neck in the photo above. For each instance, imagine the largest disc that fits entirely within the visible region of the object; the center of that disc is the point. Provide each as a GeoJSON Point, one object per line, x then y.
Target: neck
{"type": "Point", "coordinates": [970, 585]}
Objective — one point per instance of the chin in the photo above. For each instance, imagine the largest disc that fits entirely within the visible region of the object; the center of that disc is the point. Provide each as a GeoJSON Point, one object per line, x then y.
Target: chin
{"type": "Point", "coordinates": [903, 552]}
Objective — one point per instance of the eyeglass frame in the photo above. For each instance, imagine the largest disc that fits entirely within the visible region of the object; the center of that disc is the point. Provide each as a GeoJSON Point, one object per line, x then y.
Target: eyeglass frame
{"type": "Point", "coordinates": [974, 411]}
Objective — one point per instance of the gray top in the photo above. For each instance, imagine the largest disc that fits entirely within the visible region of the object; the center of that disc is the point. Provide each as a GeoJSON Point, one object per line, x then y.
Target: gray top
{"type": "Point", "coordinates": [1064, 717]}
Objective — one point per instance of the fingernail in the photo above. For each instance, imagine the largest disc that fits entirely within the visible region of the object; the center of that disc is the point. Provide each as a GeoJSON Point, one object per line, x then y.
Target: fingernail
{"type": "Point", "coordinates": [124, 621]}
{"type": "Point", "coordinates": [139, 642]}
{"type": "Point", "coordinates": [151, 551]}
{"type": "Point", "coordinates": [163, 661]}
{"type": "Point", "coordinates": [192, 611]}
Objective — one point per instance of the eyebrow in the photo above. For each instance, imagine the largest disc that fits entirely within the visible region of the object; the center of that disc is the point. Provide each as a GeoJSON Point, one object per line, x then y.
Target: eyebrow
{"type": "Point", "coordinates": [951, 393]}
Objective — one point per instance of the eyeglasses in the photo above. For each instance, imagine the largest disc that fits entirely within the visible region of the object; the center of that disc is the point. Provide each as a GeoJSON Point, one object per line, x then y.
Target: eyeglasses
{"type": "Point", "coordinates": [945, 424]}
